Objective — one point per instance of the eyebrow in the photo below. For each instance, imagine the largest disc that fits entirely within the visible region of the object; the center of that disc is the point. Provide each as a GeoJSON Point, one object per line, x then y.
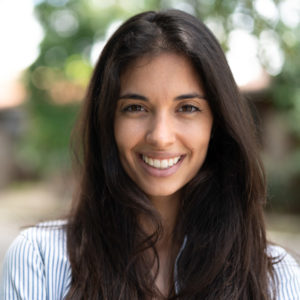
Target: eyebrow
{"type": "Point", "coordinates": [133, 96]}
{"type": "Point", "coordinates": [180, 97]}
{"type": "Point", "coordinates": [190, 96]}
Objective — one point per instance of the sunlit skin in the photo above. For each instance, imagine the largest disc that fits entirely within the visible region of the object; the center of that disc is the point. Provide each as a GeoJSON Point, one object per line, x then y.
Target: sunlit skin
{"type": "Point", "coordinates": [162, 113]}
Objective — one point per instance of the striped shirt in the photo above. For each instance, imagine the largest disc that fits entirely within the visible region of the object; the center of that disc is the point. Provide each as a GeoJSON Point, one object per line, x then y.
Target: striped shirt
{"type": "Point", "coordinates": [36, 267]}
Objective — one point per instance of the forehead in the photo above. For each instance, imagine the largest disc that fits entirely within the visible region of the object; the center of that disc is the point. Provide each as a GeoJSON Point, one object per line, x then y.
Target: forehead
{"type": "Point", "coordinates": [156, 59]}
{"type": "Point", "coordinates": [165, 70]}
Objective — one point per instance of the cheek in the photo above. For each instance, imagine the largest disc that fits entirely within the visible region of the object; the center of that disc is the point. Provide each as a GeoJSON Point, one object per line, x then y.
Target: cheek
{"type": "Point", "coordinates": [127, 134]}
{"type": "Point", "coordinates": [196, 139]}
{"type": "Point", "coordinates": [197, 134]}
{"type": "Point", "coordinates": [120, 135]}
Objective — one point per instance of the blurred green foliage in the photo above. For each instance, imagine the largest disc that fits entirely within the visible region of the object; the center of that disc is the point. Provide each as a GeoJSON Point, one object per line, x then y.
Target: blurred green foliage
{"type": "Point", "coordinates": [75, 29]}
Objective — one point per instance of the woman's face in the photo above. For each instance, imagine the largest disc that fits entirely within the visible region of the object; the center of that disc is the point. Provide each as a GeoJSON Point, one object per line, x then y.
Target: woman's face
{"type": "Point", "coordinates": [162, 123]}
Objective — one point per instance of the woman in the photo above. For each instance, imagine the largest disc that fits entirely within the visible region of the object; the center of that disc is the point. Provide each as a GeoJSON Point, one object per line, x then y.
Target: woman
{"type": "Point", "coordinates": [171, 196]}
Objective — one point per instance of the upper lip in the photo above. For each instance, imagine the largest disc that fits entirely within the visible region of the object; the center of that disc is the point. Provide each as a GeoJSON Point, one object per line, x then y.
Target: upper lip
{"type": "Point", "coordinates": [161, 155]}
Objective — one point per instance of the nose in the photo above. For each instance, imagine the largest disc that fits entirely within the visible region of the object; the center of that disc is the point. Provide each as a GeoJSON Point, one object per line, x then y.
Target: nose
{"type": "Point", "coordinates": [161, 132]}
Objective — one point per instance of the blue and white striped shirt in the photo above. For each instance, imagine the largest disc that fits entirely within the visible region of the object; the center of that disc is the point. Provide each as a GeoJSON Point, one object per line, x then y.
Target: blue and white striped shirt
{"type": "Point", "coordinates": [36, 267]}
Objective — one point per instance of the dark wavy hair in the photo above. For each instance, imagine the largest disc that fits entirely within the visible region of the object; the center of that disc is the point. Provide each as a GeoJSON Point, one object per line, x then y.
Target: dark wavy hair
{"type": "Point", "coordinates": [221, 213]}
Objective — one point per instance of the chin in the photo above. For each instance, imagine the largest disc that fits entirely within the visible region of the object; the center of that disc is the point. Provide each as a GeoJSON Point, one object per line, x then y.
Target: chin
{"type": "Point", "coordinates": [161, 193]}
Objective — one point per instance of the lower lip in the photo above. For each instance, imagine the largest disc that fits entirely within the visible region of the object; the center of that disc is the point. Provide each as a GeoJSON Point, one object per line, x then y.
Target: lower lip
{"type": "Point", "coordinates": [161, 172]}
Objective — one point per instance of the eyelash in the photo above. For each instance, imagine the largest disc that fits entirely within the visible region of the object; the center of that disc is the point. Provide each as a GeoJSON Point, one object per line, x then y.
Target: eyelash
{"type": "Point", "coordinates": [189, 108]}
{"type": "Point", "coordinates": [135, 108]}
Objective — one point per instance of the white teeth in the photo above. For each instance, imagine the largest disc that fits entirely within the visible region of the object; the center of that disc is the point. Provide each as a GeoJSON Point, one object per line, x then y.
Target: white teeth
{"type": "Point", "coordinates": [161, 164]}
{"type": "Point", "coordinates": [157, 163]}
{"type": "Point", "coordinates": [175, 160]}
{"type": "Point", "coordinates": [164, 164]}
{"type": "Point", "coordinates": [151, 162]}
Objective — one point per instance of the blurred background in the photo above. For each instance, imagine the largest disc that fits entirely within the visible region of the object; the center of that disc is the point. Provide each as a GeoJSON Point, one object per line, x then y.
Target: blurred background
{"type": "Point", "coordinates": [48, 50]}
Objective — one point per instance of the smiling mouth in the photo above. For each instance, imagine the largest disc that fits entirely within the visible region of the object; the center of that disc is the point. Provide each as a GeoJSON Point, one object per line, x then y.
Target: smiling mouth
{"type": "Point", "coordinates": [161, 163]}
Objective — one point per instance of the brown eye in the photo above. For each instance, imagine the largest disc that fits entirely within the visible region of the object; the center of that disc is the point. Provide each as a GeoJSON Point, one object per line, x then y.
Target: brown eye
{"type": "Point", "coordinates": [188, 109]}
{"type": "Point", "coordinates": [133, 108]}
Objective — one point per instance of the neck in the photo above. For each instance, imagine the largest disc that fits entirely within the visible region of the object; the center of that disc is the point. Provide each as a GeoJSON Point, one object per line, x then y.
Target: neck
{"type": "Point", "coordinates": [167, 207]}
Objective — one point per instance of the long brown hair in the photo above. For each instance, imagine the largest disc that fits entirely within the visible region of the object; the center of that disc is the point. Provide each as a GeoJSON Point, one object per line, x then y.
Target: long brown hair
{"type": "Point", "coordinates": [221, 213]}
